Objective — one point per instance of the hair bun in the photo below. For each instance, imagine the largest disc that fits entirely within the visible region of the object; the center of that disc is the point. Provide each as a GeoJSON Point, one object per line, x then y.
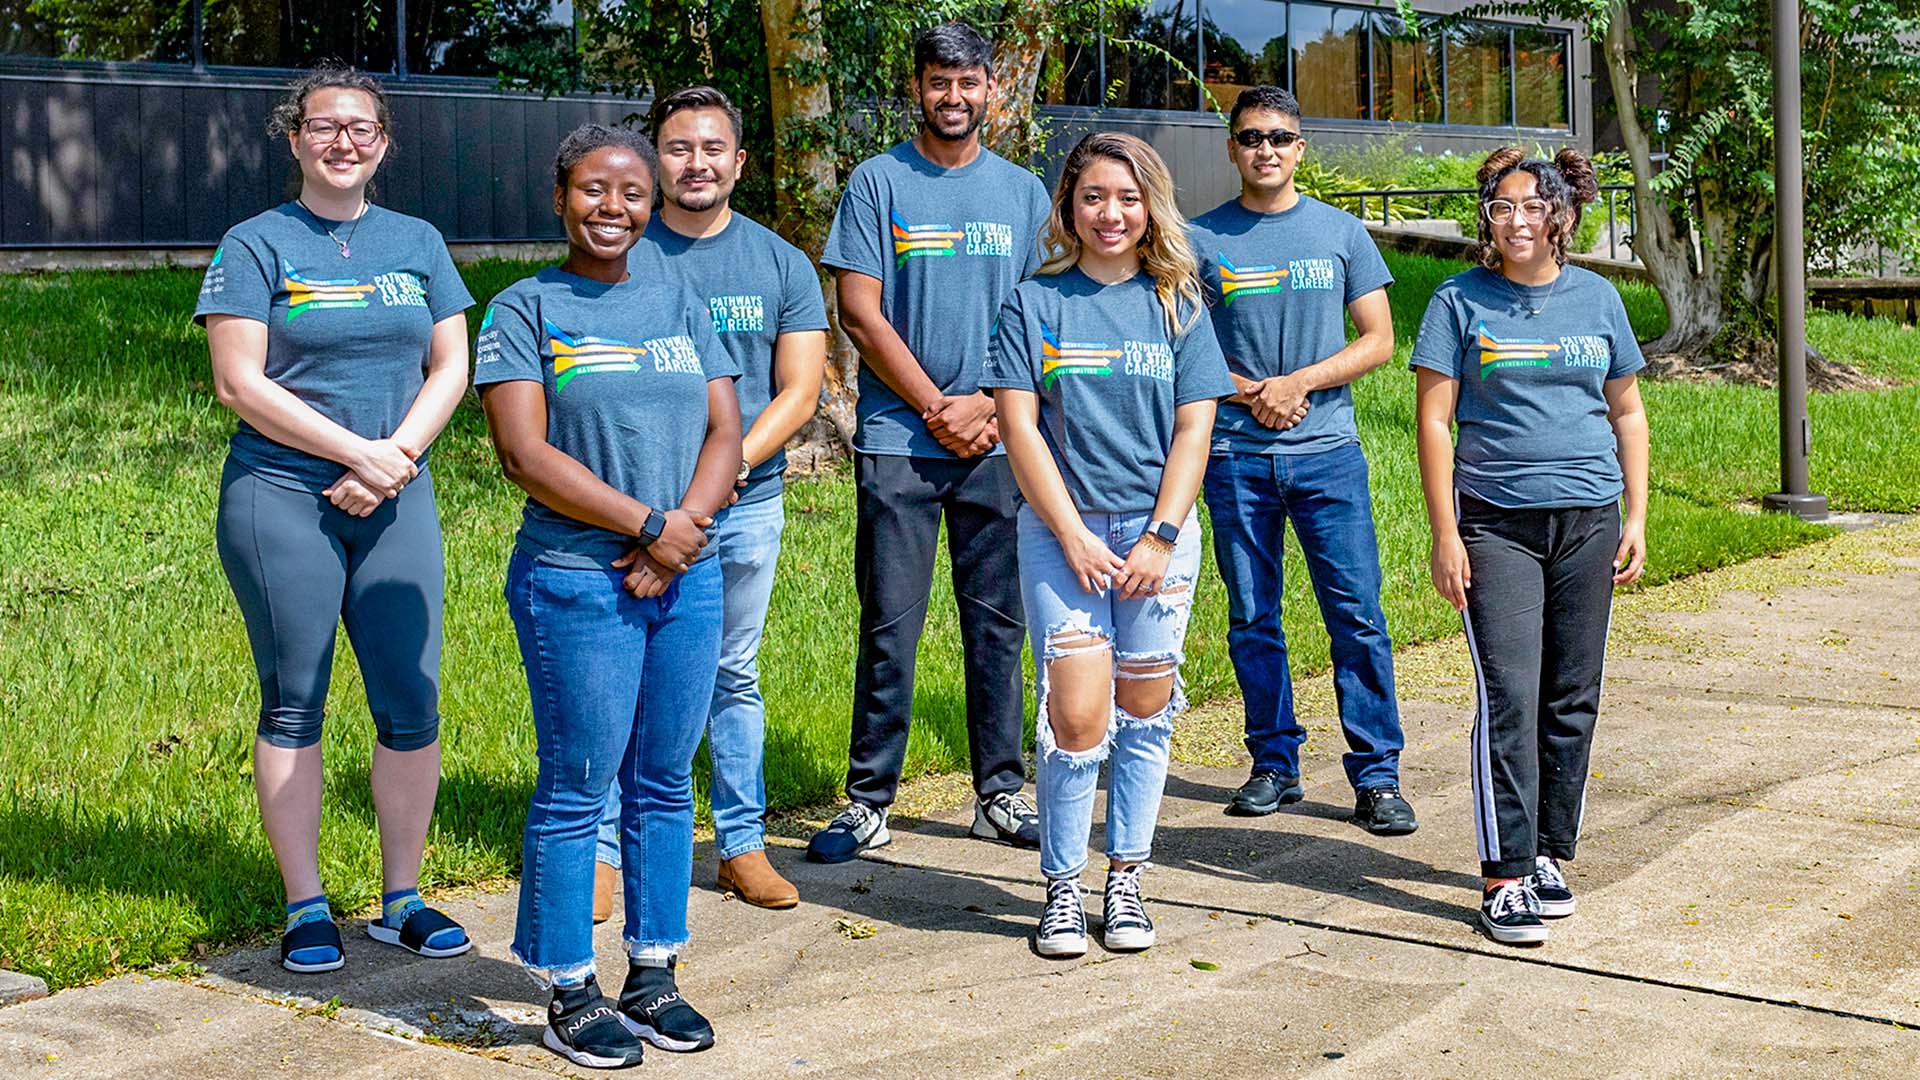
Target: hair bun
{"type": "Point", "coordinates": [1577, 168]}
{"type": "Point", "coordinates": [1500, 160]}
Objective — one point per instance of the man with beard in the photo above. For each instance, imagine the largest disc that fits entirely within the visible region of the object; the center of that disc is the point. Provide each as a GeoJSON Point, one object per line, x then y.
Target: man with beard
{"type": "Point", "coordinates": [770, 316]}
{"type": "Point", "coordinates": [930, 237]}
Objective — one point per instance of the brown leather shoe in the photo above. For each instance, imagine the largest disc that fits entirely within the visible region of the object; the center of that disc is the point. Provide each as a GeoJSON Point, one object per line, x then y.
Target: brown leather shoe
{"type": "Point", "coordinates": [752, 878]}
{"type": "Point", "coordinates": [604, 879]}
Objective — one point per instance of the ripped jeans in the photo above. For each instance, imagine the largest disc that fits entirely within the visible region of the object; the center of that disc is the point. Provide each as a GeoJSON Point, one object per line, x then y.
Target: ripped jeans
{"type": "Point", "coordinates": [1144, 636]}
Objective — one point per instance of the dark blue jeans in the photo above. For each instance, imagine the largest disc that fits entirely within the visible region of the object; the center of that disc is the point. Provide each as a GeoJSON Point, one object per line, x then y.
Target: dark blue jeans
{"type": "Point", "coordinates": [1250, 498]}
{"type": "Point", "coordinates": [620, 686]}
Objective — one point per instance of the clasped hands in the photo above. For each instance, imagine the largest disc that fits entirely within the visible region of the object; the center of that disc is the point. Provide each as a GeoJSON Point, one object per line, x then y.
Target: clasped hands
{"type": "Point", "coordinates": [964, 423]}
{"type": "Point", "coordinates": [1278, 402]}
{"type": "Point", "coordinates": [652, 567]}
{"type": "Point", "coordinates": [378, 471]}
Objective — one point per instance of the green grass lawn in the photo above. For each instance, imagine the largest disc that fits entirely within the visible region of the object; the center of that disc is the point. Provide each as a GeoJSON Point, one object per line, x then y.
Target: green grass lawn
{"type": "Point", "coordinates": [128, 834]}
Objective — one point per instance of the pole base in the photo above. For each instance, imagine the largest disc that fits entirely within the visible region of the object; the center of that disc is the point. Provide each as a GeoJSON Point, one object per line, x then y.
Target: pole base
{"type": "Point", "coordinates": [1805, 506]}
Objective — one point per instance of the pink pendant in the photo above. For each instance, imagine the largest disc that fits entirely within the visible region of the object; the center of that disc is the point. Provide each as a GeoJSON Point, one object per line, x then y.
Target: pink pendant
{"type": "Point", "coordinates": [346, 252]}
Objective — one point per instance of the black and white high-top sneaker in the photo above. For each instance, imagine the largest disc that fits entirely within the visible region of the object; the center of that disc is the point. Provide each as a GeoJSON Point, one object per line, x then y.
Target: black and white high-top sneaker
{"type": "Point", "coordinates": [1125, 926]}
{"type": "Point", "coordinates": [1550, 888]}
{"type": "Point", "coordinates": [1063, 922]}
{"type": "Point", "coordinates": [1511, 915]}
{"type": "Point", "coordinates": [585, 1028]}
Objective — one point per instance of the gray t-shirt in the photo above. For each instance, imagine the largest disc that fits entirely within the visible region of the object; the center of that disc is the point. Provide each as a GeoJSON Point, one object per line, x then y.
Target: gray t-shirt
{"type": "Point", "coordinates": [947, 246]}
{"type": "Point", "coordinates": [1532, 415]}
{"type": "Point", "coordinates": [347, 336]}
{"type": "Point", "coordinates": [625, 369]}
{"type": "Point", "coordinates": [1109, 377]}
{"type": "Point", "coordinates": [757, 287]}
{"type": "Point", "coordinates": [1278, 286]}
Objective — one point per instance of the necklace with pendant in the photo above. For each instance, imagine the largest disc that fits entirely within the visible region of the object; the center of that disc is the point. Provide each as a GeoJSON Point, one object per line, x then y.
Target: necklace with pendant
{"type": "Point", "coordinates": [1533, 311]}
{"type": "Point", "coordinates": [346, 251]}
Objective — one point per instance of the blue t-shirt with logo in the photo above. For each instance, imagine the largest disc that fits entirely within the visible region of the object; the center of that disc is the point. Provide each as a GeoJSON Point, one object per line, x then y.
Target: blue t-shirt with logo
{"type": "Point", "coordinates": [1532, 414]}
{"type": "Point", "coordinates": [346, 334]}
{"type": "Point", "coordinates": [1278, 286]}
{"type": "Point", "coordinates": [947, 246]}
{"type": "Point", "coordinates": [625, 369]}
{"type": "Point", "coordinates": [1109, 377]}
{"type": "Point", "coordinates": [757, 287]}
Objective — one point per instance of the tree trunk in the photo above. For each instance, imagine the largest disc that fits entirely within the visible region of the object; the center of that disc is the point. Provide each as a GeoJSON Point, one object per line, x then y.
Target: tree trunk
{"type": "Point", "coordinates": [805, 183]}
{"type": "Point", "coordinates": [1018, 56]}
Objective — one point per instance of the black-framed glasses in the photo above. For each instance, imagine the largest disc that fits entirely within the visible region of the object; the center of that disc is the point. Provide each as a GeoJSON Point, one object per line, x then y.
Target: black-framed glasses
{"type": "Point", "coordinates": [325, 129]}
{"type": "Point", "coordinates": [1501, 211]}
{"type": "Point", "coordinates": [1251, 138]}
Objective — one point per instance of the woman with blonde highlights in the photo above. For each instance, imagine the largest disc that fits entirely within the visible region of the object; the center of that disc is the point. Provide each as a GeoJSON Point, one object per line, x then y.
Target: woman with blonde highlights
{"type": "Point", "coordinates": [1105, 377]}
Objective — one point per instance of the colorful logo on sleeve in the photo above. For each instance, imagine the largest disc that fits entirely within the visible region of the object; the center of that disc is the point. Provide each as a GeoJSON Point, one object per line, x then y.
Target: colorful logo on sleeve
{"type": "Point", "coordinates": [914, 241]}
{"type": "Point", "coordinates": [1516, 352]}
{"type": "Point", "coordinates": [1237, 282]}
{"type": "Point", "coordinates": [304, 294]}
{"type": "Point", "coordinates": [582, 355]}
{"type": "Point", "coordinates": [1059, 358]}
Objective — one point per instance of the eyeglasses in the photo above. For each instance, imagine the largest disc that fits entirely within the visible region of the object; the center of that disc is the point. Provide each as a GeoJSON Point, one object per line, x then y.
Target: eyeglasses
{"type": "Point", "coordinates": [1500, 211]}
{"type": "Point", "coordinates": [1251, 138]}
{"type": "Point", "coordinates": [322, 130]}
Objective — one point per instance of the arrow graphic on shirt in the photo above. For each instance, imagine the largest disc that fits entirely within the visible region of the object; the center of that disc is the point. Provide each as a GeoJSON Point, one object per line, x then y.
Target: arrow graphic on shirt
{"type": "Point", "coordinates": [1516, 352]}
{"type": "Point", "coordinates": [1236, 282]}
{"type": "Point", "coordinates": [1059, 358]}
{"type": "Point", "coordinates": [574, 356]}
{"type": "Point", "coordinates": [912, 241]}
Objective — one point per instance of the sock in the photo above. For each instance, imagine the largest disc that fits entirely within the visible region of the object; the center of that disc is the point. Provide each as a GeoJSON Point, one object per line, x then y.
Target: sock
{"type": "Point", "coordinates": [651, 956]}
{"type": "Point", "coordinates": [397, 905]}
{"type": "Point", "coordinates": [305, 911]}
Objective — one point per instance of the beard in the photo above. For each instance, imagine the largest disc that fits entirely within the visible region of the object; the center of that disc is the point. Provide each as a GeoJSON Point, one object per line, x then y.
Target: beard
{"type": "Point", "coordinates": [931, 118]}
{"type": "Point", "coordinates": [696, 201]}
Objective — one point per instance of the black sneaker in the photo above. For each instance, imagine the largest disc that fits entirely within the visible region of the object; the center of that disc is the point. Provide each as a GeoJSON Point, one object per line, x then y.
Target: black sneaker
{"type": "Point", "coordinates": [1063, 922]}
{"type": "Point", "coordinates": [1007, 817]}
{"type": "Point", "coordinates": [1383, 811]}
{"type": "Point", "coordinates": [856, 829]}
{"type": "Point", "coordinates": [1125, 926]}
{"type": "Point", "coordinates": [1264, 792]}
{"type": "Point", "coordinates": [1511, 915]}
{"type": "Point", "coordinates": [1550, 888]}
{"type": "Point", "coordinates": [652, 1008]}
{"type": "Point", "coordinates": [584, 1028]}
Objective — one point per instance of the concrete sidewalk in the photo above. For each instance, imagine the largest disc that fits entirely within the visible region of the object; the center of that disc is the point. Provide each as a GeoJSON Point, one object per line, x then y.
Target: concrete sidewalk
{"type": "Point", "coordinates": [1749, 888]}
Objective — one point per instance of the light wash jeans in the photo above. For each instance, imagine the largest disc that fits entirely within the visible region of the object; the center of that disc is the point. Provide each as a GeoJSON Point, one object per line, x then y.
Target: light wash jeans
{"type": "Point", "coordinates": [620, 686]}
{"type": "Point", "coordinates": [747, 537]}
{"type": "Point", "coordinates": [1150, 629]}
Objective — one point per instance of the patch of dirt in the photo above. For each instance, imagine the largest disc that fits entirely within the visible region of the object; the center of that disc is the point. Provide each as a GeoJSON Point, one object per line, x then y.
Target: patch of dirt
{"type": "Point", "coordinates": [1823, 376]}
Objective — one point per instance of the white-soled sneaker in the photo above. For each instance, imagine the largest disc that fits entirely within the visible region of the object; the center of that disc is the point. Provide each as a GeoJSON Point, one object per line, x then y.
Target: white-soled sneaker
{"type": "Point", "coordinates": [1063, 922]}
{"type": "Point", "coordinates": [1550, 888]}
{"type": "Point", "coordinates": [1125, 925]}
{"type": "Point", "coordinates": [1511, 915]}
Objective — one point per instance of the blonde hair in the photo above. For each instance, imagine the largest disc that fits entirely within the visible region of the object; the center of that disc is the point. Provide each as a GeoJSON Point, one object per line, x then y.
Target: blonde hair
{"type": "Point", "coordinates": [1165, 253]}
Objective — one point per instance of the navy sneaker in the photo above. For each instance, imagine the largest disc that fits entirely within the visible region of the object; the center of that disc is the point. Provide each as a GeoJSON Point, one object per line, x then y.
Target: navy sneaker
{"type": "Point", "coordinates": [856, 829]}
{"type": "Point", "coordinates": [1007, 817]}
{"type": "Point", "coordinates": [652, 1008]}
{"type": "Point", "coordinates": [1511, 915]}
{"type": "Point", "coordinates": [1264, 792]}
{"type": "Point", "coordinates": [1125, 926]}
{"type": "Point", "coordinates": [1550, 888]}
{"type": "Point", "coordinates": [1383, 811]}
{"type": "Point", "coordinates": [584, 1028]}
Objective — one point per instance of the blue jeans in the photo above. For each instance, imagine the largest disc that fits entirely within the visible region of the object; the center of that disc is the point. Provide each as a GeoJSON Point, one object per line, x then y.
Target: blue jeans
{"type": "Point", "coordinates": [747, 536]}
{"type": "Point", "coordinates": [1250, 498]}
{"type": "Point", "coordinates": [1149, 630]}
{"type": "Point", "coordinates": [620, 686]}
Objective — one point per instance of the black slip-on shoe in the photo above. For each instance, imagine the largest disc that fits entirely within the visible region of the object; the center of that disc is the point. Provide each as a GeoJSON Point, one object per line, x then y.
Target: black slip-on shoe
{"type": "Point", "coordinates": [1264, 792]}
{"type": "Point", "coordinates": [1383, 811]}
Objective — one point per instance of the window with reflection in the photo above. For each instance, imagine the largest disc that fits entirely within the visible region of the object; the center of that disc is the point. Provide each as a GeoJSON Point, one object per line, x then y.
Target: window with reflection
{"type": "Point", "coordinates": [266, 33]}
{"type": "Point", "coordinates": [1152, 54]}
{"type": "Point", "coordinates": [1406, 71]}
{"type": "Point", "coordinates": [1329, 61]}
{"type": "Point", "coordinates": [1477, 88]}
{"type": "Point", "coordinates": [1246, 45]}
{"type": "Point", "coordinates": [154, 31]}
{"type": "Point", "coordinates": [1541, 87]}
{"type": "Point", "coordinates": [1074, 79]}
{"type": "Point", "coordinates": [473, 37]}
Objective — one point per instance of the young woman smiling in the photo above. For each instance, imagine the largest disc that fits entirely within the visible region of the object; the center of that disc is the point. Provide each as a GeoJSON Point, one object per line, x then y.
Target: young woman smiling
{"type": "Point", "coordinates": [1105, 376]}
{"type": "Point", "coordinates": [1533, 361]}
{"type": "Point", "coordinates": [336, 333]}
{"type": "Point", "coordinates": [612, 405]}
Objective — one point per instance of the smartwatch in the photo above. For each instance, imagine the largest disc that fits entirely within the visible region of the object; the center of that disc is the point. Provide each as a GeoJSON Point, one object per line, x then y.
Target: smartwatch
{"type": "Point", "coordinates": [651, 529]}
{"type": "Point", "coordinates": [1165, 530]}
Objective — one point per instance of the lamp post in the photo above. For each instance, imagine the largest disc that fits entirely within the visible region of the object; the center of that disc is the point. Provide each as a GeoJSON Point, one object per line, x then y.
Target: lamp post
{"type": "Point", "coordinates": [1790, 263]}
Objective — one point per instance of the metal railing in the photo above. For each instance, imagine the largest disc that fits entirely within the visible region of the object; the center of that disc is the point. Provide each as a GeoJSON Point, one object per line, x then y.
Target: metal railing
{"type": "Point", "coordinates": [1610, 192]}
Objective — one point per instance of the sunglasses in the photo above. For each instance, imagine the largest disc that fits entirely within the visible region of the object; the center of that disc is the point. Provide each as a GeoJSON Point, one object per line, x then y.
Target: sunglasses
{"type": "Point", "coordinates": [1251, 138]}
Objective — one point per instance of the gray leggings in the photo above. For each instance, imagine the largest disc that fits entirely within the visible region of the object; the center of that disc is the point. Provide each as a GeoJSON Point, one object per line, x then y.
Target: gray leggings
{"type": "Point", "coordinates": [299, 565]}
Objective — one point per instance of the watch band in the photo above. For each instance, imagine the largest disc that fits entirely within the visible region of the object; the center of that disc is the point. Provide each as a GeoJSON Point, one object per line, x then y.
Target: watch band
{"type": "Point", "coordinates": [651, 529]}
{"type": "Point", "coordinates": [1165, 530]}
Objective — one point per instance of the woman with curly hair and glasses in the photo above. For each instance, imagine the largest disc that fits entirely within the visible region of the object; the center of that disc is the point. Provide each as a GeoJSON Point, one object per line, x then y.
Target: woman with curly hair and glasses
{"type": "Point", "coordinates": [1532, 362]}
{"type": "Point", "coordinates": [1105, 374]}
{"type": "Point", "coordinates": [337, 335]}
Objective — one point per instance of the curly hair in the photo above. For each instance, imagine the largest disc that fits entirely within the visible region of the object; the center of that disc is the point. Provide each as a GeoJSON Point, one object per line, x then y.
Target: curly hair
{"type": "Point", "coordinates": [587, 138]}
{"type": "Point", "coordinates": [285, 118]}
{"type": "Point", "coordinates": [1567, 183]}
{"type": "Point", "coordinates": [1165, 252]}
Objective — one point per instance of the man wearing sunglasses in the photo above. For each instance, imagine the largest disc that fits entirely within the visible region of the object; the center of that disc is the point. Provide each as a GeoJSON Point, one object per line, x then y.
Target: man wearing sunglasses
{"type": "Point", "coordinates": [1282, 272]}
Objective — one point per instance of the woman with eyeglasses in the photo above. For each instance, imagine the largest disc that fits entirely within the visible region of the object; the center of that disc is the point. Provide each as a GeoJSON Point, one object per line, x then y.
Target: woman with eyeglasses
{"type": "Point", "coordinates": [1533, 362]}
{"type": "Point", "coordinates": [337, 336]}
